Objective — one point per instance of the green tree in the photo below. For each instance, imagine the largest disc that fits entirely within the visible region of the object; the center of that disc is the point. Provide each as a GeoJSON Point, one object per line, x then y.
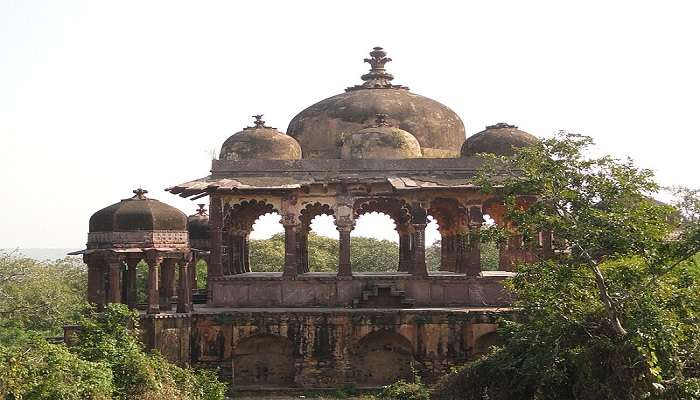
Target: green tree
{"type": "Point", "coordinates": [40, 296]}
{"type": "Point", "coordinates": [615, 316]}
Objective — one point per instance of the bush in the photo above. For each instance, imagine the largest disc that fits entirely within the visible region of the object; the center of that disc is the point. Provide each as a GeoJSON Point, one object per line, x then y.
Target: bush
{"type": "Point", "coordinates": [402, 390]}
{"type": "Point", "coordinates": [36, 369]}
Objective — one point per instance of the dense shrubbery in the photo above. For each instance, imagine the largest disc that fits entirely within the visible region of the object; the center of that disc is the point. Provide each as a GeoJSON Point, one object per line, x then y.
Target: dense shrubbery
{"type": "Point", "coordinates": [107, 361]}
{"type": "Point", "coordinates": [616, 315]}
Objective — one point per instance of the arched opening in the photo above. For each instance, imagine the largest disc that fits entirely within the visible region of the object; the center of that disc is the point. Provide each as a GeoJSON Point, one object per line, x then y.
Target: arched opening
{"type": "Point", "coordinates": [382, 357]}
{"type": "Point", "coordinates": [256, 219]}
{"type": "Point", "coordinates": [490, 246]}
{"type": "Point", "coordinates": [374, 250]}
{"type": "Point", "coordinates": [484, 343]}
{"type": "Point", "coordinates": [317, 252]}
{"type": "Point", "coordinates": [266, 244]}
{"type": "Point", "coordinates": [433, 245]}
{"type": "Point", "coordinates": [264, 360]}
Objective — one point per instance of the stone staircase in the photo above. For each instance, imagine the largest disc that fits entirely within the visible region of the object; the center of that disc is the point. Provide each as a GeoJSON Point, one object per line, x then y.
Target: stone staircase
{"type": "Point", "coordinates": [383, 295]}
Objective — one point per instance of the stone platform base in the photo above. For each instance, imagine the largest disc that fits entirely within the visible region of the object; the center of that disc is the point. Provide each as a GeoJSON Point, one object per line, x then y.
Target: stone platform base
{"type": "Point", "coordinates": [271, 348]}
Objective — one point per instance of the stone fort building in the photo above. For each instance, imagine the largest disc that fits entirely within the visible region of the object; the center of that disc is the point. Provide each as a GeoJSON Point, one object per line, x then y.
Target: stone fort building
{"type": "Point", "coordinates": [377, 147]}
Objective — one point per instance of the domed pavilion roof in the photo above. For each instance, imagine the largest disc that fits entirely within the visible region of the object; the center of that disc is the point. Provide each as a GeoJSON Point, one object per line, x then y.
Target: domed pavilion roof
{"type": "Point", "coordinates": [260, 142]}
{"type": "Point", "coordinates": [500, 139]}
{"type": "Point", "coordinates": [320, 128]}
{"type": "Point", "coordinates": [138, 213]}
{"type": "Point", "coordinates": [198, 228]}
{"type": "Point", "coordinates": [138, 223]}
{"type": "Point", "coordinates": [380, 141]}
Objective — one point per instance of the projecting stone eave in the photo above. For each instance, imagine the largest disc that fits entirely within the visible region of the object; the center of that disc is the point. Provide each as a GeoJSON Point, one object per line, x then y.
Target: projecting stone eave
{"type": "Point", "coordinates": [279, 176]}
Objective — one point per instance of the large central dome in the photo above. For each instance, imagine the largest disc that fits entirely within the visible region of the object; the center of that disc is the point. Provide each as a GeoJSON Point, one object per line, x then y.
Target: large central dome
{"type": "Point", "coordinates": [322, 128]}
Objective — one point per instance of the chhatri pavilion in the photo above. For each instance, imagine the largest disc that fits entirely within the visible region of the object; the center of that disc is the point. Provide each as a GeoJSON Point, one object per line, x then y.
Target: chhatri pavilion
{"type": "Point", "coordinates": [376, 147]}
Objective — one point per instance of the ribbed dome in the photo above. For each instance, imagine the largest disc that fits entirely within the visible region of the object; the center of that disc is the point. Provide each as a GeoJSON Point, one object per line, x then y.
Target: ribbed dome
{"type": "Point", "coordinates": [260, 142]}
{"type": "Point", "coordinates": [138, 213]}
{"type": "Point", "coordinates": [320, 128]}
{"type": "Point", "coordinates": [500, 139]}
{"type": "Point", "coordinates": [380, 141]}
{"type": "Point", "coordinates": [198, 224]}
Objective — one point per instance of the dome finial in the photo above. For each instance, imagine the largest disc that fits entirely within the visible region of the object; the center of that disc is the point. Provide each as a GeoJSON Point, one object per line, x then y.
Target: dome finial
{"type": "Point", "coordinates": [259, 122]}
{"type": "Point", "coordinates": [377, 77]}
{"type": "Point", "coordinates": [502, 125]}
{"type": "Point", "coordinates": [139, 193]}
{"type": "Point", "coordinates": [380, 121]}
{"type": "Point", "coordinates": [201, 210]}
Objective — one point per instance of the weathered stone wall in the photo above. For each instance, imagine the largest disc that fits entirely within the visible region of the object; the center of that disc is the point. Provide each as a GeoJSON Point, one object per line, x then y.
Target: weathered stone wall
{"type": "Point", "coordinates": [318, 290]}
{"type": "Point", "coordinates": [333, 347]}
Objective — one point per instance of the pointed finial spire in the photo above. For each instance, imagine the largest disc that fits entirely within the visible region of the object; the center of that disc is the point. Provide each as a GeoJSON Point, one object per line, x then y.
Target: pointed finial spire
{"type": "Point", "coordinates": [259, 123]}
{"type": "Point", "coordinates": [377, 77]}
{"type": "Point", "coordinates": [201, 210]}
{"type": "Point", "coordinates": [139, 193]}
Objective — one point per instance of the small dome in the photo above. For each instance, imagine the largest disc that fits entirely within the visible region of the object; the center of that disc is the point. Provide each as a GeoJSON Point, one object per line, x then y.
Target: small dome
{"type": "Point", "coordinates": [198, 224]}
{"type": "Point", "coordinates": [320, 128]}
{"type": "Point", "coordinates": [380, 141]}
{"type": "Point", "coordinates": [500, 139]}
{"type": "Point", "coordinates": [138, 213]}
{"type": "Point", "coordinates": [260, 142]}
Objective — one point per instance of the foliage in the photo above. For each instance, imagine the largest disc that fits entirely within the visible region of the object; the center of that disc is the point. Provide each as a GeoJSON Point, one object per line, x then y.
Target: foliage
{"type": "Point", "coordinates": [615, 314]}
{"type": "Point", "coordinates": [40, 296]}
{"type": "Point", "coordinates": [35, 369]}
{"type": "Point", "coordinates": [111, 338]}
{"type": "Point", "coordinates": [402, 390]}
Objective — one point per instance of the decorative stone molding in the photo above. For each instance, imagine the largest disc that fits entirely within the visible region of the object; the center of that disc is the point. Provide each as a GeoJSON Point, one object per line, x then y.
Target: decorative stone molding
{"type": "Point", "coordinates": [104, 240]}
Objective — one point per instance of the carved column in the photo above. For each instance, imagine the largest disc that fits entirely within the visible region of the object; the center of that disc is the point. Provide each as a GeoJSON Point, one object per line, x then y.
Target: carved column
{"type": "Point", "coordinates": [419, 220]}
{"type": "Point", "coordinates": [472, 265]}
{"type": "Point", "coordinates": [303, 249]}
{"type": "Point", "coordinates": [215, 267]}
{"type": "Point", "coordinates": [184, 294]}
{"type": "Point", "coordinates": [114, 279]}
{"type": "Point", "coordinates": [131, 275]}
{"type": "Point", "coordinates": [405, 250]}
{"type": "Point", "coordinates": [344, 223]}
{"type": "Point", "coordinates": [546, 244]}
{"type": "Point", "coordinates": [236, 252]}
{"type": "Point", "coordinates": [153, 261]}
{"type": "Point", "coordinates": [96, 290]}
{"type": "Point", "coordinates": [246, 251]}
{"type": "Point", "coordinates": [192, 271]}
{"type": "Point", "coordinates": [448, 252]}
{"type": "Point", "coordinates": [290, 249]}
{"type": "Point", "coordinates": [167, 283]}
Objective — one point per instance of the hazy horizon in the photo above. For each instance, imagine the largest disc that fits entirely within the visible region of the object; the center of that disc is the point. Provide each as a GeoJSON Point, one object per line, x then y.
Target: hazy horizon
{"type": "Point", "coordinates": [98, 98]}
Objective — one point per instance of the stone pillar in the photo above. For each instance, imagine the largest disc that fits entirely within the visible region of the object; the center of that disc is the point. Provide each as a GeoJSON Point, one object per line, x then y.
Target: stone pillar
{"type": "Point", "coordinates": [344, 263]}
{"type": "Point", "coordinates": [184, 293]}
{"type": "Point", "coordinates": [405, 250]}
{"type": "Point", "coordinates": [344, 223]}
{"type": "Point", "coordinates": [192, 271]}
{"type": "Point", "coordinates": [246, 251]}
{"type": "Point", "coordinates": [448, 252]}
{"type": "Point", "coordinates": [546, 244]}
{"type": "Point", "coordinates": [419, 221]}
{"type": "Point", "coordinates": [216, 220]}
{"type": "Point", "coordinates": [235, 258]}
{"type": "Point", "coordinates": [472, 264]}
{"type": "Point", "coordinates": [167, 283]}
{"type": "Point", "coordinates": [153, 261]}
{"type": "Point", "coordinates": [131, 275]}
{"type": "Point", "coordinates": [96, 290]}
{"type": "Point", "coordinates": [303, 249]}
{"type": "Point", "coordinates": [290, 249]}
{"type": "Point", "coordinates": [114, 279]}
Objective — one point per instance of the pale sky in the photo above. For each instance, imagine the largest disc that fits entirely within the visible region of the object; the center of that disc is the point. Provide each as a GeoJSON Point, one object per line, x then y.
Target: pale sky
{"type": "Point", "coordinates": [98, 97]}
